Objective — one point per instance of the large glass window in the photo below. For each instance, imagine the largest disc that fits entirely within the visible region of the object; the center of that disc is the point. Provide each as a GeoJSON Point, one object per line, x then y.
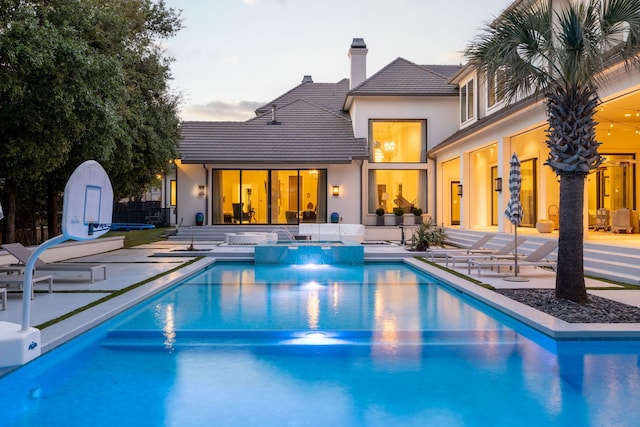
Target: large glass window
{"type": "Point", "coordinates": [528, 192]}
{"type": "Point", "coordinates": [172, 192]}
{"type": "Point", "coordinates": [389, 189]}
{"type": "Point", "coordinates": [614, 185]}
{"type": "Point", "coordinates": [495, 87]}
{"type": "Point", "coordinates": [268, 196]}
{"type": "Point", "coordinates": [467, 111]}
{"type": "Point", "coordinates": [395, 141]}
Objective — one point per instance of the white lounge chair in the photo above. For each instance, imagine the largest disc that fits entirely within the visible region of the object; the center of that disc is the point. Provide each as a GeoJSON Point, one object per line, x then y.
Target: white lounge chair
{"type": "Point", "coordinates": [536, 258]}
{"type": "Point", "coordinates": [23, 254]}
{"type": "Point", "coordinates": [478, 245]}
{"type": "Point", "coordinates": [455, 257]}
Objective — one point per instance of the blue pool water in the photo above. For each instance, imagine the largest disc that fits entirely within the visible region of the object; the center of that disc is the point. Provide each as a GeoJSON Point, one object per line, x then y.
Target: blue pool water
{"type": "Point", "coordinates": [304, 252]}
{"type": "Point", "coordinates": [372, 345]}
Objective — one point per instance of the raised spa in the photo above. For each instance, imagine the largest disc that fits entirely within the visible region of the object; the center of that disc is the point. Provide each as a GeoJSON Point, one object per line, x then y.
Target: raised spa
{"type": "Point", "coordinates": [309, 252]}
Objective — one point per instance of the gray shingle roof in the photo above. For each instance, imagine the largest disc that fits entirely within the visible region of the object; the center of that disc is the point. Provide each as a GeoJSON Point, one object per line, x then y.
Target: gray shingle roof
{"type": "Point", "coordinates": [402, 77]}
{"type": "Point", "coordinates": [327, 95]}
{"type": "Point", "coordinates": [306, 133]}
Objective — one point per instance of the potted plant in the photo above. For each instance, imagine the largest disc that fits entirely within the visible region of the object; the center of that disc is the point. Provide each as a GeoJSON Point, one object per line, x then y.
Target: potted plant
{"type": "Point", "coordinates": [398, 211]}
{"type": "Point", "coordinates": [379, 216]}
{"type": "Point", "coordinates": [417, 212]}
{"type": "Point", "coordinates": [428, 235]}
{"type": "Point", "coordinates": [199, 218]}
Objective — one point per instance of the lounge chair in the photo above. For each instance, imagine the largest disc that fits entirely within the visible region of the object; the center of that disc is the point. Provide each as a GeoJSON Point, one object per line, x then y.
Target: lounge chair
{"type": "Point", "coordinates": [477, 246]}
{"type": "Point", "coordinates": [18, 281]}
{"type": "Point", "coordinates": [482, 254]}
{"type": "Point", "coordinates": [23, 254]}
{"type": "Point", "coordinates": [536, 258]}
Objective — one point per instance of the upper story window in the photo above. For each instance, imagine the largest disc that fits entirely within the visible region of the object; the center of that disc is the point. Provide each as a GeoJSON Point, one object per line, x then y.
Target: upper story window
{"type": "Point", "coordinates": [495, 87]}
{"type": "Point", "coordinates": [467, 100]}
{"type": "Point", "coordinates": [398, 141]}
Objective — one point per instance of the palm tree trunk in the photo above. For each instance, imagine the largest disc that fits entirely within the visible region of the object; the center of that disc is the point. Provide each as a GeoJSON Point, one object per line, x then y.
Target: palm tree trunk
{"type": "Point", "coordinates": [570, 283]}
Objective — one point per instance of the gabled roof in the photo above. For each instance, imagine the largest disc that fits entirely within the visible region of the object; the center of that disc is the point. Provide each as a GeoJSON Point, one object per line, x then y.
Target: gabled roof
{"type": "Point", "coordinates": [327, 95]}
{"type": "Point", "coordinates": [304, 133]}
{"type": "Point", "coordinates": [402, 77]}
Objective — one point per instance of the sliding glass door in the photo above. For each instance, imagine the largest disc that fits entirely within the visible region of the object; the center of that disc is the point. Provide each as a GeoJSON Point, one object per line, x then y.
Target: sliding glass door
{"type": "Point", "coordinates": [268, 196]}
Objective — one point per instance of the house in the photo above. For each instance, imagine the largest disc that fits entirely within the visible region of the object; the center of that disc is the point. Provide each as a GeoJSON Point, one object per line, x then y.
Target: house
{"type": "Point", "coordinates": [321, 150]}
{"type": "Point", "coordinates": [472, 164]}
{"type": "Point", "coordinates": [436, 137]}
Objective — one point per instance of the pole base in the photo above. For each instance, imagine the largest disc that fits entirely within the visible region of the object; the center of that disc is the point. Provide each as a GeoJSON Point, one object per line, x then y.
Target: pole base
{"type": "Point", "coordinates": [18, 347]}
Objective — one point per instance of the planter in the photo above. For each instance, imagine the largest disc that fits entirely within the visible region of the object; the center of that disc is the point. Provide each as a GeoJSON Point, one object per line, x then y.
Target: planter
{"type": "Point", "coordinates": [399, 219]}
{"type": "Point", "coordinates": [389, 220]}
{"type": "Point", "coordinates": [409, 219]}
{"type": "Point", "coordinates": [379, 219]}
{"type": "Point", "coordinates": [545, 226]}
{"type": "Point", "coordinates": [199, 218]}
{"type": "Point", "coordinates": [418, 219]}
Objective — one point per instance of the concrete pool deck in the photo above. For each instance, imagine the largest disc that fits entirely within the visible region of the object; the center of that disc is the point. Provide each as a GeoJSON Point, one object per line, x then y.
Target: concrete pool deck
{"type": "Point", "coordinates": [128, 267]}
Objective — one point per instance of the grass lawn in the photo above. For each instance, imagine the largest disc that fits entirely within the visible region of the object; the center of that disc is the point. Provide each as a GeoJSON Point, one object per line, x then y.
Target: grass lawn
{"type": "Point", "coordinates": [140, 237]}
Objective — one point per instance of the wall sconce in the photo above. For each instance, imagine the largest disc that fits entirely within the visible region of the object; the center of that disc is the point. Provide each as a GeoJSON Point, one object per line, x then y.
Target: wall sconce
{"type": "Point", "coordinates": [459, 189]}
{"type": "Point", "coordinates": [336, 190]}
{"type": "Point", "coordinates": [201, 190]}
{"type": "Point", "coordinates": [497, 184]}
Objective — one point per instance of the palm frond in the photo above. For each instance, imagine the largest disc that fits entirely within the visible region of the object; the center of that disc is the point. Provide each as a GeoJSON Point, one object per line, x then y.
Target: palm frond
{"type": "Point", "coordinates": [540, 49]}
{"type": "Point", "coordinates": [519, 43]}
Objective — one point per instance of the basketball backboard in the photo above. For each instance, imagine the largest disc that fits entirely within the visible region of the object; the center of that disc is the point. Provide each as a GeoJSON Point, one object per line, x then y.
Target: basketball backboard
{"type": "Point", "coordinates": [88, 203]}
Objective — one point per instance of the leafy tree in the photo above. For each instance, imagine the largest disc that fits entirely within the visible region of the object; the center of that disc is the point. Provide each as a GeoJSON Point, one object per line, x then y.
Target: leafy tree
{"type": "Point", "coordinates": [73, 85]}
{"type": "Point", "coordinates": [562, 53]}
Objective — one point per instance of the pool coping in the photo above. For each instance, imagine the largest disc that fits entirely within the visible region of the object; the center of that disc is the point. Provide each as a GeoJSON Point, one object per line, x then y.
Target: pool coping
{"type": "Point", "coordinates": [542, 322]}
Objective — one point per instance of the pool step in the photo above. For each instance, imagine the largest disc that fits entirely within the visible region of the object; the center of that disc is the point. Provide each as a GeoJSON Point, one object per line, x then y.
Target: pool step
{"type": "Point", "coordinates": [154, 340]}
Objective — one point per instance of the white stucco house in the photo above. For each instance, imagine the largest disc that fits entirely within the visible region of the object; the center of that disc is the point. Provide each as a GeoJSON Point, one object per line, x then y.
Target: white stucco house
{"type": "Point", "coordinates": [322, 151]}
{"type": "Point", "coordinates": [472, 164]}
{"type": "Point", "coordinates": [434, 137]}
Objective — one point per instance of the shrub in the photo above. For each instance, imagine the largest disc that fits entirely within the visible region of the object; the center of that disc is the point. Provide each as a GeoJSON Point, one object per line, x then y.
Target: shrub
{"type": "Point", "coordinates": [427, 235]}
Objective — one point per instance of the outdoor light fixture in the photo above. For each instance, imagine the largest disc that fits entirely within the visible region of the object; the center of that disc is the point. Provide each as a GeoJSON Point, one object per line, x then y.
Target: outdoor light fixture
{"type": "Point", "coordinates": [336, 190]}
{"type": "Point", "coordinates": [459, 189]}
{"type": "Point", "coordinates": [497, 184]}
{"type": "Point", "coordinates": [201, 190]}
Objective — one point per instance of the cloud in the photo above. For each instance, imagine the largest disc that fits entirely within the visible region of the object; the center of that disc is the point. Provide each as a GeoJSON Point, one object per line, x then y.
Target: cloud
{"type": "Point", "coordinates": [220, 111]}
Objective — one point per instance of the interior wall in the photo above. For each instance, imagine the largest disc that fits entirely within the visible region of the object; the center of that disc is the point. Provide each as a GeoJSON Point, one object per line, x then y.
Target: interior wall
{"type": "Point", "coordinates": [480, 163]}
{"type": "Point", "coordinates": [450, 173]}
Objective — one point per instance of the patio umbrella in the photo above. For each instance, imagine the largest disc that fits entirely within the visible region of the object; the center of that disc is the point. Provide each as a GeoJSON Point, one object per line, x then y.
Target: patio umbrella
{"type": "Point", "coordinates": [514, 208]}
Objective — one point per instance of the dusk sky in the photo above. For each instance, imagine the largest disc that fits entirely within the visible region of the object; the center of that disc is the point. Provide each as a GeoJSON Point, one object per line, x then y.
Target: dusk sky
{"type": "Point", "coordinates": [236, 55]}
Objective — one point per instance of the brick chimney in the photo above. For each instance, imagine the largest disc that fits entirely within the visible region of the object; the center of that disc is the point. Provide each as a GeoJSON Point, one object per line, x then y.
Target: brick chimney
{"type": "Point", "coordinates": [358, 57]}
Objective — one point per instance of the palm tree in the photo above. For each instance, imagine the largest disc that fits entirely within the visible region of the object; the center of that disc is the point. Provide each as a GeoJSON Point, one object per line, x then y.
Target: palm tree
{"type": "Point", "coordinates": [561, 52]}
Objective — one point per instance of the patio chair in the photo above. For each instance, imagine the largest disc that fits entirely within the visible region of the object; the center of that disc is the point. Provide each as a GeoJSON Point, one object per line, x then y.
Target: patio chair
{"type": "Point", "coordinates": [23, 254]}
{"type": "Point", "coordinates": [482, 254]}
{"type": "Point", "coordinates": [477, 246]}
{"type": "Point", "coordinates": [17, 280]}
{"type": "Point", "coordinates": [239, 215]}
{"type": "Point", "coordinates": [536, 258]}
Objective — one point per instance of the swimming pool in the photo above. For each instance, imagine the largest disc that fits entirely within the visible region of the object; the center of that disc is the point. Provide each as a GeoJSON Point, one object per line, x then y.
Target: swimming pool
{"type": "Point", "coordinates": [372, 345]}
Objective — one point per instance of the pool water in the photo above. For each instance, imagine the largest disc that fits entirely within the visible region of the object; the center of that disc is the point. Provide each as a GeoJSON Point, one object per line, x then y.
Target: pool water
{"type": "Point", "coordinates": [372, 345]}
